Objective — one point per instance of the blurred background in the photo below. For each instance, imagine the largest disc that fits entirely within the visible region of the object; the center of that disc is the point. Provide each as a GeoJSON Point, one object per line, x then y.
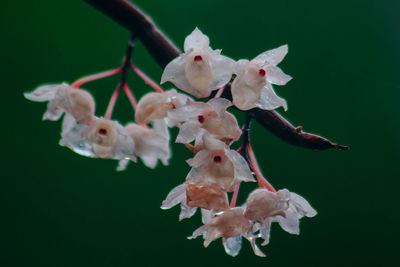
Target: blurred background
{"type": "Point", "coordinates": [62, 209]}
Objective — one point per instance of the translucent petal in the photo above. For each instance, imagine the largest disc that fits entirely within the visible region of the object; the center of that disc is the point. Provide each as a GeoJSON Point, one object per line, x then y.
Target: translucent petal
{"type": "Point", "coordinates": [256, 249]}
{"type": "Point", "coordinates": [276, 76]}
{"type": "Point", "coordinates": [206, 216]}
{"type": "Point", "coordinates": [244, 97]}
{"type": "Point", "coordinates": [188, 132]}
{"type": "Point", "coordinates": [240, 66]}
{"type": "Point", "coordinates": [290, 224]}
{"type": "Point", "coordinates": [52, 113]}
{"type": "Point", "coordinates": [196, 40]}
{"type": "Point", "coordinates": [222, 70]}
{"type": "Point", "coordinates": [269, 100]}
{"type": "Point", "coordinates": [302, 205]}
{"type": "Point", "coordinates": [241, 168]}
{"type": "Point", "coordinates": [233, 245]}
{"type": "Point", "coordinates": [186, 211]}
{"type": "Point", "coordinates": [68, 124]}
{"type": "Point", "coordinates": [45, 92]}
{"type": "Point", "coordinates": [273, 56]}
{"type": "Point", "coordinates": [201, 158]}
{"type": "Point", "coordinates": [174, 197]}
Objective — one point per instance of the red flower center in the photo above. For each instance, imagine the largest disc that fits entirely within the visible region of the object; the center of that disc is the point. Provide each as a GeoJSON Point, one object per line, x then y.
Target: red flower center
{"type": "Point", "coordinates": [200, 118]}
{"type": "Point", "coordinates": [217, 159]}
{"type": "Point", "coordinates": [198, 58]}
{"type": "Point", "coordinates": [102, 131]}
{"type": "Point", "coordinates": [261, 72]}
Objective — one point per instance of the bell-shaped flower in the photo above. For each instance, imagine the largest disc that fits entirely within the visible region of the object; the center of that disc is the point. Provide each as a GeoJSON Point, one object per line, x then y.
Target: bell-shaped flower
{"type": "Point", "coordinates": [64, 98]}
{"type": "Point", "coordinates": [207, 196]}
{"type": "Point", "coordinates": [216, 163]}
{"type": "Point", "coordinates": [200, 69]}
{"type": "Point", "coordinates": [154, 106]}
{"type": "Point", "coordinates": [231, 223]}
{"type": "Point", "coordinates": [151, 144]}
{"type": "Point", "coordinates": [252, 86]}
{"type": "Point", "coordinates": [103, 139]}
{"type": "Point", "coordinates": [211, 117]}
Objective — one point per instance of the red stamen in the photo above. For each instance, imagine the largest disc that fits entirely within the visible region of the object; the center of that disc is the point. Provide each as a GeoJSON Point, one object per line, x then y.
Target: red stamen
{"type": "Point", "coordinates": [217, 159]}
{"type": "Point", "coordinates": [102, 131]}
{"type": "Point", "coordinates": [200, 118]}
{"type": "Point", "coordinates": [261, 72]}
{"type": "Point", "coordinates": [198, 58]}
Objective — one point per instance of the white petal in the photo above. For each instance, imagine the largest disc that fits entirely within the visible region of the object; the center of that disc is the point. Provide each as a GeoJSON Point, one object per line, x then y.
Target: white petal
{"type": "Point", "coordinates": [240, 66]}
{"type": "Point", "coordinates": [276, 76]}
{"type": "Point", "coordinates": [290, 224]}
{"type": "Point", "coordinates": [233, 245]}
{"type": "Point", "coordinates": [45, 92]}
{"type": "Point", "coordinates": [269, 100]}
{"type": "Point", "coordinates": [206, 216]}
{"type": "Point", "coordinates": [199, 159]}
{"type": "Point", "coordinates": [242, 170]}
{"type": "Point", "coordinates": [122, 164]}
{"type": "Point", "coordinates": [220, 104]}
{"type": "Point", "coordinates": [302, 205]}
{"type": "Point", "coordinates": [196, 40]}
{"type": "Point", "coordinates": [52, 113]}
{"type": "Point", "coordinates": [186, 211]}
{"type": "Point", "coordinates": [222, 68]}
{"type": "Point", "coordinates": [273, 56]}
{"type": "Point", "coordinates": [68, 123]}
{"type": "Point", "coordinates": [188, 132]}
{"type": "Point", "coordinates": [174, 197]}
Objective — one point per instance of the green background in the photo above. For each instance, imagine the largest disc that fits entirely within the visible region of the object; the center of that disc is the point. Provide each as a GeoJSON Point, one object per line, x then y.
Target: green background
{"type": "Point", "coordinates": [61, 209]}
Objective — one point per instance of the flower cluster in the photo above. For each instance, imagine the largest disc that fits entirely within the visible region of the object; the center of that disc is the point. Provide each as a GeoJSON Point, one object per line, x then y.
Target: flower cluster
{"type": "Point", "coordinates": [205, 127]}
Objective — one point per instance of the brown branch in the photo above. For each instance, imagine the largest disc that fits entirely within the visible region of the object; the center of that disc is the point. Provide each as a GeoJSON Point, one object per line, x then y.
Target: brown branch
{"type": "Point", "coordinates": [164, 50]}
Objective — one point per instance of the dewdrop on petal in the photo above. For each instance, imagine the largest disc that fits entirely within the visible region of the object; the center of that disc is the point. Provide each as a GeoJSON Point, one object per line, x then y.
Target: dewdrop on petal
{"type": "Point", "coordinates": [103, 139]}
{"type": "Point", "coordinates": [200, 69]}
{"type": "Point", "coordinates": [64, 98]}
{"type": "Point", "coordinates": [252, 86]}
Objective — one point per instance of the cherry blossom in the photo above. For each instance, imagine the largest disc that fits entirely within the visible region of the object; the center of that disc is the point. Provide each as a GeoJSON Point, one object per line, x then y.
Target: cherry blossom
{"type": "Point", "coordinates": [64, 98]}
{"type": "Point", "coordinates": [200, 69]}
{"type": "Point", "coordinates": [252, 86]}
{"type": "Point", "coordinates": [103, 139]}
{"type": "Point", "coordinates": [197, 118]}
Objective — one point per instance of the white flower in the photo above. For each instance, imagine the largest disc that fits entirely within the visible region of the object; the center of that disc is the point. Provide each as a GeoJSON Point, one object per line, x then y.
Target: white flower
{"type": "Point", "coordinates": [64, 98]}
{"type": "Point", "coordinates": [216, 163]}
{"type": "Point", "coordinates": [200, 69]}
{"type": "Point", "coordinates": [178, 196]}
{"type": "Point", "coordinates": [103, 139]}
{"type": "Point", "coordinates": [211, 116]}
{"type": "Point", "coordinates": [231, 223]}
{"type": "Point", "coordinates": [253, 85]}
{"type": "Point", "coordinates": [154, 106]}
{"type": "Point", "coordinates": [151, 144]}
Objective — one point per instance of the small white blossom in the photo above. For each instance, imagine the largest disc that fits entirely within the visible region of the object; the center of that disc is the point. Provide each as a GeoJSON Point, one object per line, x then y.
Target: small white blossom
{"type": "Point", "coordinates": [154, 106]}
{"type": "Point", "coordinates": [151, 144]}
{"type": "Point", "coordinates": [64, 98]}
{"type": "Point", "coordinates": [211, 117]}
{"type": "Point", "coordinates": [102, 139]}
{"type": "Point", "coordinates": [252, 86]}
{"type": "Point", "coordinates": [200, 69]}
{"type": "Point", "coordinates": [216, 163]}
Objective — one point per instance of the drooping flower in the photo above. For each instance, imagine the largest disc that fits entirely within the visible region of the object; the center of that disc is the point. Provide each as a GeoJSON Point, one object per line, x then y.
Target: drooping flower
{"type": "Point", "coordinates": [102, 139]}
{"type": "Point", "coordinates": [154, 106]}
{"type": "Point", "coordinates": [151, 144]}
{"type": "Point", "coordinates": [64, 98]}
{"type": "Point", "coordinates": [212, 117]}
{"type": "Point", "coordinates": [252, 86]}
{"type": "Point", "coordinates": [178, 196]}
{"type": "Point", "coordinates": [200, 69]}
{"type": "Point", "coordinates": [216, 163]}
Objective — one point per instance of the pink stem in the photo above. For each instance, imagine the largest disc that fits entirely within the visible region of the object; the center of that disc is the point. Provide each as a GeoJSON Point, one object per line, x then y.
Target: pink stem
{"type": "Point", "coordinates": [254, 165]}
{"type": "Point", "coordinates": [235, 195]}
{"type": "Point", "coordinates": [111, 105]}
{"type": "Point", "coordinates": [78, 83]}
{"type": "Point", "coordinates": [146, 79]}
{"type": "Point", "coordinates": [219, 93]}
{"type": "Point", "coordinates": [130, 95]}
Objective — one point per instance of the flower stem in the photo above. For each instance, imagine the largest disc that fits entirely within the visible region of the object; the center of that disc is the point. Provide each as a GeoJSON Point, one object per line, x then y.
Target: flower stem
{"type": "Point", "coordinates": [78, 83]}
{"type": "Point", "coordinates": [254, 165]}
{"type": "Point", "coordinates": [219, 93]}
{"type": "Point", "coordinates": [130, 95]}
{"type": "Point", "coordinates": [111, 104]}
{"type": "Point", "coordinates": [147, 79]}
{"type": "Point", "coordinates": [234, 196]}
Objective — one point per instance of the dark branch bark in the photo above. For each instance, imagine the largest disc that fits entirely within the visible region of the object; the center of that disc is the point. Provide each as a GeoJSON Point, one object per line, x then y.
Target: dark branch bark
{"type": "Point", "coordinates": [164, 50]}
